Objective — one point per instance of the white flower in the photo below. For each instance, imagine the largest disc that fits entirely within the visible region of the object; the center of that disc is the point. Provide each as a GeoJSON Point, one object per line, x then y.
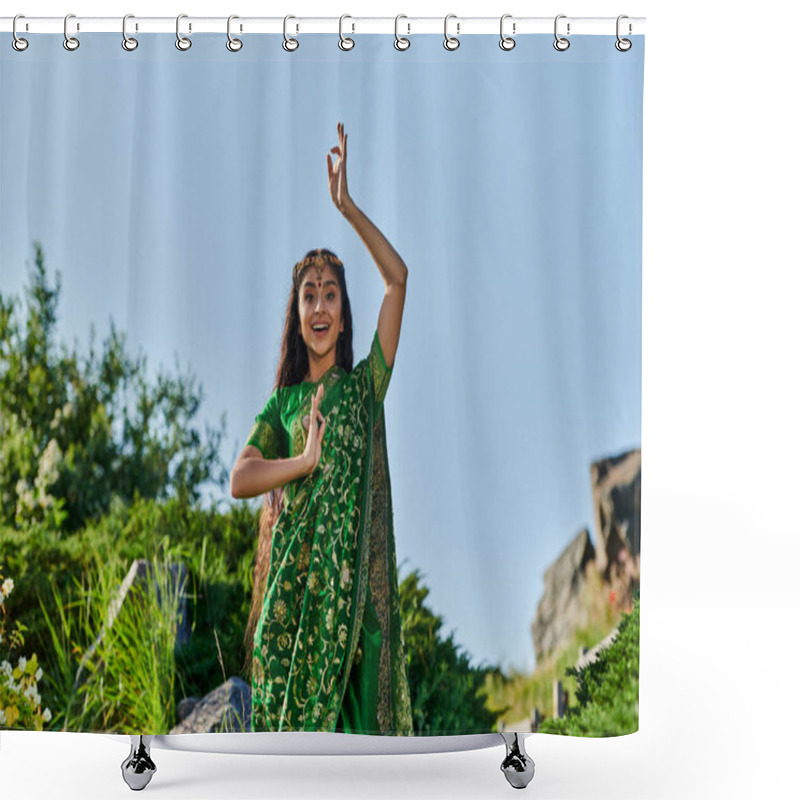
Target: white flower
{"type": "Point", "coordinates": [8, 586]}
{"type": "Point", "coordinates": [38, 675]}
{"type": "Point", "coordinates": [22, 663]}
{"type": "Point", "coordinates": [46, 715]}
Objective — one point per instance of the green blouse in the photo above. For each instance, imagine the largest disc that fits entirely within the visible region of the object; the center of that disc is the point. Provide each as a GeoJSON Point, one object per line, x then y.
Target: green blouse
{"type": "Point", "coordinates": [328, 651]}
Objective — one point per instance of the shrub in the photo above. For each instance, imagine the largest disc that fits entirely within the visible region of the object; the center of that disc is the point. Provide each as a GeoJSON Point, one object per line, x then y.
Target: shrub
{"type": "Point", "coordinates": [608, 688]}
{"type": "Point", "coordinates": [20, 702]}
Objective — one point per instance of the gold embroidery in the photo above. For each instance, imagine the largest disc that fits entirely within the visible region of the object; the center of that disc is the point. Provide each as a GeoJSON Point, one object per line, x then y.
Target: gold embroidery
{"type": "Point", "coordinates": [265, 438]}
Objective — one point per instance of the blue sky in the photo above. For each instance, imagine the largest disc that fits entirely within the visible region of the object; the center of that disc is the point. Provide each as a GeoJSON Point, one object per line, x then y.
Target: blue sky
{"type": "Point", "coordinates": [174, 192]}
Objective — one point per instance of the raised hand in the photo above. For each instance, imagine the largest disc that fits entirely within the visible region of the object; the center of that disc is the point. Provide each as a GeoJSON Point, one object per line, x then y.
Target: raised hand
{"type": "Point", "coordinates": [313, 450]}
{"type": "Point", "coordinates": [337, 173]}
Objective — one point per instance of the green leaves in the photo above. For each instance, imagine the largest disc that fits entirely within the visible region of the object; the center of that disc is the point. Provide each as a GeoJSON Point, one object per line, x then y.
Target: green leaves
{"type": "Point", "coordinates": [608, 688]}
{"type": "Point", "coordinates": [78, 431]}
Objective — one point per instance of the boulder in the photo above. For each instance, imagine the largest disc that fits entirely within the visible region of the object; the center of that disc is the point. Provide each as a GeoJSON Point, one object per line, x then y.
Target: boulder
{"type": "Point", "coordinates": [225, 709]}
{"type": "Point", "coordinates": [186, 706]}
{"type": "Point", "coordinates": [560, 610]}
{"type": "Point", "coordinates": [617, 492]}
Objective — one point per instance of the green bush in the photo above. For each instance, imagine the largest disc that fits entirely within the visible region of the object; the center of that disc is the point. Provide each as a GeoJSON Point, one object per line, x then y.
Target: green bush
{"type": "Point", "coordinates": [608, 688]}
{"type": "Point", "coordinates": [78, 433]}
{"type": "Point", "coordinates": [20, 702]}
{"type": "Point", "coordinates": [57, 573]}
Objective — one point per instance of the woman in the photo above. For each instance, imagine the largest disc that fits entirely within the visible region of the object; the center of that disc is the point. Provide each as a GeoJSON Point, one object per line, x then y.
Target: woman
{"type": "Point", "coordinates": [327, 646]}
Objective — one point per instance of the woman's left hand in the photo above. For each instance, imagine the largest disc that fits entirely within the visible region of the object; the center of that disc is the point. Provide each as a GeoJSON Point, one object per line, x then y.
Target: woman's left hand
{"type": "Point", "coordinates": [337, 173]}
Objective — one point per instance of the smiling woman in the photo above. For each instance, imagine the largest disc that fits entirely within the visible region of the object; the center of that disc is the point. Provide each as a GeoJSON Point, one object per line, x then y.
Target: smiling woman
{"type": "Point", "coordinates": [326, 577]}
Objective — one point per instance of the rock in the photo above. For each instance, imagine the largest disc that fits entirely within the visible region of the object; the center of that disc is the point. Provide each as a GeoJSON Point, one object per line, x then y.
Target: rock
{"type": "Point", "coordinates": [225, 709]}
{"type": "Point", "coordinates": [617, 491]}
{"type": "Point", "coordinates": [186, 706]}
{"type": "Point", "coordinates": [560, 610]}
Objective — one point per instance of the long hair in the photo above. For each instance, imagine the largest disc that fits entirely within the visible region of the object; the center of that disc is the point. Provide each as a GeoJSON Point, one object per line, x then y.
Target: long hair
{"type": "Point", "coordinates": [292, 369]}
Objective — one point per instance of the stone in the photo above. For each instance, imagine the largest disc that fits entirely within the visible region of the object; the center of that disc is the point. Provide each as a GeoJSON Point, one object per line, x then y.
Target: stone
{"type": "Point", "coordinates": [560, 611]}
{"type": "Point", "coordinates": [186, 706]}
{"type": "Point", "coordinates": [617, 492]}
{"type": "Point", "coordinates": [225, 709]}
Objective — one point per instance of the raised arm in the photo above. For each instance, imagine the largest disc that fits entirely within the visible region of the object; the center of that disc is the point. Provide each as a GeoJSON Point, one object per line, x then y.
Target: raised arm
{"type": "Point", "coordinates": [392, 268]}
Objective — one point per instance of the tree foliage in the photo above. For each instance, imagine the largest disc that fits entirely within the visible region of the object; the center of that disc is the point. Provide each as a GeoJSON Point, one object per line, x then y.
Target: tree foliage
{"type": "Point", "coordinates": [79, 432]}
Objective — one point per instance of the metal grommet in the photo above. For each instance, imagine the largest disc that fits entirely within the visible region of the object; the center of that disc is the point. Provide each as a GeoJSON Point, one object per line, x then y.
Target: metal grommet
{"type": "Point", "coordinates": [400, 42]}
{"type": "Point", "coordinates": [451, 42]}
{"type": "Point", "coordinates": [18, 43]}
{"type": "Point", "coordinates": [233, 44]}
{"type": "Point", "coordinates": [561, 44]}
{"type": "Point", "coordinates": [345, 43]}
{"type": "Point", "coordinates": [128, 42]}
{"type": "Point", "coordinates": [623, 45]}
{"type": "Point", "coordinates": [70, 42]}
{"type": "Point", "coordinates": [506, 42]}
{"type": "Point", "coordinates": [181, 42]}
{"type": "Point", "coordinates": [289, 43]}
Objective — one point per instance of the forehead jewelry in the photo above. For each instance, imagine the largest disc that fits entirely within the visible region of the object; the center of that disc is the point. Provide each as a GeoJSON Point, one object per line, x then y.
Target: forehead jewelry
{"type": "Point", "coordinates": [319, 262]}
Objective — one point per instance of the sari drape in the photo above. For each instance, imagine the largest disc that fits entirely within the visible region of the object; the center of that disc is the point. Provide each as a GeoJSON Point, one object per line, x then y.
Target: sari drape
{"type": "Point", "coordinates": [328, 652]}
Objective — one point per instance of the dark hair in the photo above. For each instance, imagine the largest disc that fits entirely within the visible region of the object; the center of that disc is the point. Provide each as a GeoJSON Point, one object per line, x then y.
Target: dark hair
{"type": "Point", "coordinates": [292, 369]}
{"type": "Point", "coordinates": [294, 354]}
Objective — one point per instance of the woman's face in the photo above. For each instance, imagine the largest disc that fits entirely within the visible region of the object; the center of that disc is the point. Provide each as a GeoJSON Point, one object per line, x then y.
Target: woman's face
{"type": "Point", "coordinates": [320, 307]}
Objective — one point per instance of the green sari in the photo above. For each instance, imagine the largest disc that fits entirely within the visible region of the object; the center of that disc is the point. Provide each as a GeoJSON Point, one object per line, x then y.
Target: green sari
{"type": "Point", "coordinates": [328, 652]}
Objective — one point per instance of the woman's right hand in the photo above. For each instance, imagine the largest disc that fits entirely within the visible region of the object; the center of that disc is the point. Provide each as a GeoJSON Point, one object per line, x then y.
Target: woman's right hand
{"type": "Point", "coordinates": [316, 430]}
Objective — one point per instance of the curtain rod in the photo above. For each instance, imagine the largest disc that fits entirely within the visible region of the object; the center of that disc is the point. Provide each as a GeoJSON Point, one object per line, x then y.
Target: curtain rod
{"type": "Point", "coordinates": [350, 24]}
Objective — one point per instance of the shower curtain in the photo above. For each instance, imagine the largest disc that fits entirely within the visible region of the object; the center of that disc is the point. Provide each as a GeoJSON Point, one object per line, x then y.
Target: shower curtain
{"type": "Point", "coordinates": [320, 385]}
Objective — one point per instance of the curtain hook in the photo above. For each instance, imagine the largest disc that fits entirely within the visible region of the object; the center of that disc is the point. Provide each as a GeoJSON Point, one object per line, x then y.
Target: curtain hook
{"type": "Point", "coordinates": [128, 42]}
{"type": "Point", "coordinates": [345, 43]}
{"type": "Point", "coordinates": [18, 43]}
{"type": "Point", "coordinates": [233, 44]}
{"type": "Point", "coordinates": [181, 42]}
{"type": "Point", "coordinates": [400, 42]}
{"type": "Point", "coordinates": [289, 43]}
{"type": "Point", "coordinates": [560, 43]}
{"type": "Point", "coordinates": [451, 42]}
{"type": "Point", "coordinates": [507, 42]}
{"type": "Point", "coordinates": [70, 42]}
{"type": "Point", "coordinates": [623, 45]}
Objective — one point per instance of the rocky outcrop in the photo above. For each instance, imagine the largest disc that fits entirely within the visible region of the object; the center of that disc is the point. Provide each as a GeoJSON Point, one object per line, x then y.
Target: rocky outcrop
{"type": "Point", "coordinates": [568, 602]}
{"type": "Point", "coordinates": [560, 610]}
{"type": "Point", "coordinates": [225, 709]}
{"type": "Point", "coordinates": [617, 492]}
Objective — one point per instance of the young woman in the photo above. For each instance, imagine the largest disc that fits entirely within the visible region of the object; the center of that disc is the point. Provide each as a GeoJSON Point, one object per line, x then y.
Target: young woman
{"type": "Point", "coordinates": [324, 630]}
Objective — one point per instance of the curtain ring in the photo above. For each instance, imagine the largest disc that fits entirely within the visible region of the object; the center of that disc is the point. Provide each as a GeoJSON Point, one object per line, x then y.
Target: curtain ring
{"type": "Point", "coordinates": [233, 44]}
{"type": "Point", "coordinates": [128, 42]}
{"type": "Point", "coordinates": [181, 42]}
{"type": "Point", "coordinates": [345, 43]}
{"type": "Point", "coordinates": [560, 43]}
{"type": "Point", "coordinates": [70, 42]}
{"type": "Point", "coordinates": [289, 43]}
{"type": "Point", "coordinates": [623, 45]}
{"type": "Point", "coordinates": [18, 43]}
{"type": "Point", "coordinates": [507, 42]}
{"type": "Point", "coordinates": [451, 42]}
{"type": "Point", "coordinates": [400, 42]}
